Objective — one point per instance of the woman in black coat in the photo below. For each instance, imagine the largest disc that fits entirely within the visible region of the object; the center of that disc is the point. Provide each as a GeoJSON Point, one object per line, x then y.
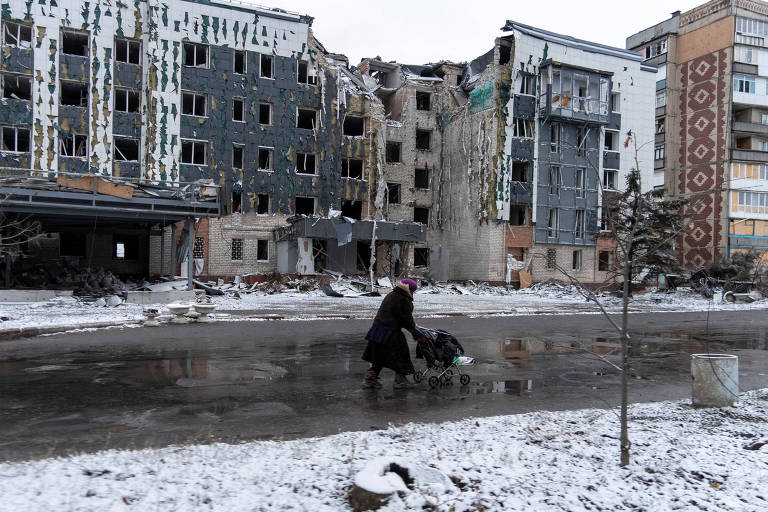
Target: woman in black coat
{"type": "Point", "coordinates": [387, 347]}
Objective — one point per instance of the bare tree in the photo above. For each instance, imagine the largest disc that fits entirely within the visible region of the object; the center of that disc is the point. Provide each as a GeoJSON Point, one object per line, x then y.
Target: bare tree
{"type": "Point", "coordinates": [15, 233]}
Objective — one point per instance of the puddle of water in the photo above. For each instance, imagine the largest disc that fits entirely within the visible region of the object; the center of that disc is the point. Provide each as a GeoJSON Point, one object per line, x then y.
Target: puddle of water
{"type": "Point", "coordinates": [511, 387]}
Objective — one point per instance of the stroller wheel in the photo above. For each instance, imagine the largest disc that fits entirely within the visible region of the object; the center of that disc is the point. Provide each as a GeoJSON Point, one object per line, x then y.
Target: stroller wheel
{"type": "Point", "coordinates": [434, 381]}
{"type": "Point", "coordinates": [464, 379]}
{"type": "Point", "coordinates": [418, 376]}
{"type": "Point", "coordinates": [449, 374]}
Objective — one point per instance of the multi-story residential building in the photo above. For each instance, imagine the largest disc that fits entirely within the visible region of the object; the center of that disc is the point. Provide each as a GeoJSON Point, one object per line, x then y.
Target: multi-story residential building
{"type": "Point", "coordinates": [712, 123]}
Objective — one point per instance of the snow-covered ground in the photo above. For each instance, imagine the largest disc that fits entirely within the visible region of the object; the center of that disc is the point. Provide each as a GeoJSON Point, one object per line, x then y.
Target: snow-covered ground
{"type": "Point", "coordinates": [683, 458]}
{"type": "Point", "coordinates": [429, 302]}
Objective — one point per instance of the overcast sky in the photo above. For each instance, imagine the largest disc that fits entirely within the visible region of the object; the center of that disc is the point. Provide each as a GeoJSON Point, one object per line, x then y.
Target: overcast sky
{"type": "Point", "coordinates": [421, 31]}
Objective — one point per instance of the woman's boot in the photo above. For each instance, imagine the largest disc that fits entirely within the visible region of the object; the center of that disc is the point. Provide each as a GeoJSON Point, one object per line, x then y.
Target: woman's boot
{"type": "Point", "coordinates": [401, 382]}
{"type": "Point", "coordinates": [371, 380]}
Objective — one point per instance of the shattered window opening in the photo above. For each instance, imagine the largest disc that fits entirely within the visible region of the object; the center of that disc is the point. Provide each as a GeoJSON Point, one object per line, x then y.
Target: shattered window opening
{"type": "Point", "coordinates": [128, 51]}
{"type": "Point", "coordinates": [576, 260]}
{"type": "Point", "coordinates": [393, 193]}
{"type": "Point", "coordinates": [126, 149]}
{"type": "Point", "coordinates": [265, 113]}
{"type": "Point", "coordinates": [421, 178]}
{"type": "Point", "coordinates": [424, 140]}
{"type": "Point", "coordinates": [581, 141]}
{"type": "Point", "coordinates": [421, 257]}
{"type": "Point", "coordinates": [505, 54]}
{"type": "Point", "coordinates": [125, 247]}
{"type": "Point", "coordinates": [551, 258]}
{"type": "Point", "coordinates": [262, 204]}
{"type": "Point", "coordinates": [74, 94]}
{"type": "Point", "coordinates": [305, 163]}
{"type": "Point", "coordinates": [238, 110]}
{"type": "Point", "coordinates": [524, 128]}
{"type": "Point", "coordinates": [423, 100]}
{"type": "Point", "coordinates": [237, 157]}
{"type": "Point", "coordinates": [581, 174]}
{"type": "Point", "coordinates": [520, 171]}
{"type": "Point", "coordinates": [17, 34]}
{"type": "Point", "coordinates": [15, 139]}
{"type": "Point", "coordinates": [611, 141]}
{"type": "Point", "coordinates": [237, 199]}
{"type": "Point", "coordinates": [193, 151]}
{"type": "Point", "coordinates": [306, 73]}
{"type": "Point", "coordinates": [74, 43]}
{"type": "Point", "coordinates": [306, 119]}
{"type": "Point", "coordinates": [194, 104]}
{"type": "Point", "coordinates": [126, 100]}
{"type": "Point", "coordinates": [518, 214]}
{"type": "Point", "coordinates": [421, 215]}
{"type": "Point", "coordinates": [527, 84]}
{"type": "Point", "coordinates": [660, 123]}
{"type": "Point", "coordinates": [554, 138]}
{"type": "Point", "coordinates": [352, 209]}
{"type": "Point", "coordinates": [239, 65]}
{"type": "Point", "coordinates": [615, 102]}
{"type": "Point", "coordinates": [604, 261]}
{"type": "Point", "coordinates": [17, 87]}
{"type": "Point", "coordinates": [262, 250]}
{"type": "Point", "coordinates": [580, 87]}
{"type": "Point", "coordinates": [265, 159]}
{"type": "Point", "coordinates": [352, 168]}
{"type": "Point", "coordinates": [555, 180]}
{"type": "Point", "coordinates": [393, 152]}
{"type": "Point", "coordinates": [267, 66]}
{"type": "Point", "coordinates": [579, 224]}
{"type": "Point", "coordinates": [196, 55]}
{"type": "Point", "coordinates": [354, 126]}
{"type": "Point", "coordinates": [72, 144]}
{"type": "Point", "coordinates": [237, 249]}
{"type": "Point", "coordinates": [305, 206]}
{"type": "Point", "coordinates": [553, 224]}
{"type": "Point", "coordinates": [610, 179]}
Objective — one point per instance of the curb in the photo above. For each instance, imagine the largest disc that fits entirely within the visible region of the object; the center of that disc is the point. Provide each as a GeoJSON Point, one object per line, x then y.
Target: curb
{"type": "Point", "coordinates": [28, 332]}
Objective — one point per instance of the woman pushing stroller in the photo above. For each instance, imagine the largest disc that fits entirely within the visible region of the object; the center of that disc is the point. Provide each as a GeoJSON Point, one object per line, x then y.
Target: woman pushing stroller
{"type": "Point", "coordinates": [387, 347]}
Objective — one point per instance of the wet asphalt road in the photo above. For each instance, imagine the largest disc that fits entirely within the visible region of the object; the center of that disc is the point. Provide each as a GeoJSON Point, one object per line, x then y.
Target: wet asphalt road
{"type": "Point", "coordinates": [236, 381]}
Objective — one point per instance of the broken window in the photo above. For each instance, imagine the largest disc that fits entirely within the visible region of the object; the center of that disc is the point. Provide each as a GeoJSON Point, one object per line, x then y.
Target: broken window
{"type": "Point", "coordinates": [198, 250]}
{"type": "Point", "coordinates": [306, 119]}
{"type": "Point", "coordinates": [17, 86]}
{"type": "Point", "coordinates": [352, 209]}
{"type": "Point", "coordinates": [306, 73]}
{"type": "Point", "coordinates": [74, 43]}
{"type": "Point", "coordinates": [611, 141]}
{"type": "Point", "coordinates": [237, 198]}
{"type": "Point", "coordinates": [520, 171]}
{"type": "Point", "coordinates": [239, 64]}
{"type": "Point", "coordinates": [555, 180]}
{"type": "Point", "coordinates": [72, 144]}
{"type": "Point", "coordinates": [265, 113]}
{"type": "Point", "coordinates": [354, 126]}
{"type": "Point", "coordinates": [581, 141]}
{"type": "Point", "coordinates": [238, 110]}
{"type": "Point", "coordinates": [193, 152]}
{"type": "Point", "coordinates": [363, 255]}
{"type": "Point", "coordinates": [579, 224]}
{"type": "Point", "coordinates": [126, 150]}
{"type": "Point", "coordinates": [17, 34]}
{"type": "Point", "coordinates": [196, 55]}
{"type": "Point", "coordinates": [421, 256]}
{"type": "Point", "coordinates": [660, 123]}
{"type": "Point", "coordinates": [421, 215]}
{"type": "Point", "coordinates": [421, 178]}
{"type": "Point", "coordinates": [305, 205]}
{"type": "Point", "coordinates": [517, 214]}
{"type": "Point", "coordinates": [580, 85]}
{"type": "Point", "coordinates": [125, 247]}
{"type": "Point", "coordinates": [610, 179]}
{"type": "Point", "coordinates": [128, 51]}
{"type": "Point", "coordinates": [352, 168]}
{"type": "Point", "coordinates": [267, 66]}
{"type": "Point", "coordinates": [615, 102]}
{"type": "Point", "coordinates": [581, 185]}
{"type": "Point", "coordinates": [527, 84]}
{"type": "Point", "coordinates": [237, 157]}
{"type": "Point", "coordinates": [262, 250]}
{"type": "Point", "coordinates": [237, 249]}
{"type": "Point", "coordinates": [553, 222]}
{"type": "Point", "coordinates": [126, 100]}
{"type": "Point", "coordinates": [551, 258]}
{"type": "Point", "coordinates": [423, 100]}
{"type": "Point", "coordinates": [193, 104]}
{"type": "Point", "coordinates": [393, 152]}
{"type": "Point", "coordinates": [576, 260]}
{"type": "Point", "coordinates": [604, 261]}
{"type": "Point", "coordinates": [265, 159]}
{"type": "Point", "coordinates": [74, 94]}
{"type": "Point", "coordinates": [305, 163]}
{"type": "Point", "coordinates": [15, 140]}
{"type": "Point", "coordinates": [505, 54]}
{"type": "Point", "coordinates": [423, 140]}
{"type": "Point", "coordinates": [554, 138]}
{"type": "Point", "coordinates": [393, 193]}
{"type": "Point", "coordinates": [262, 204]}
{"type": "Point", "coordinates": [523, 128]}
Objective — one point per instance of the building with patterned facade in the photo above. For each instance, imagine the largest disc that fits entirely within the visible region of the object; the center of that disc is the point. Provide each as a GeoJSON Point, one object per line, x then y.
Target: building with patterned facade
{"type": "Point", "coordinates": [712, 123]}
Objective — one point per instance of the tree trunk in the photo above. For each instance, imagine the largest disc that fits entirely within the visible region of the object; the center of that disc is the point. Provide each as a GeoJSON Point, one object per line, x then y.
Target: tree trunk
{"type": "Point", "coordinates": [624, 438]}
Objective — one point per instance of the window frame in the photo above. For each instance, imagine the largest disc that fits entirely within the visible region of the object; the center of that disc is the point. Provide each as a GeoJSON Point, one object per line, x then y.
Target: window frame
{"type": "Point", "coordinates": [314, 122]}
{"type": "Point", "coordinates": [295, 205]}
{"type": "Point", "coordinates": [17, 35]}
{"type": "Point", "coordinates": [579, 229]}
{"type": "Point", "coordinates": [555, 185]}
{"type": "Point", "coordinates": [258, 202]}
{"type": "Point", "coordinates": [314, 163]}
{"type": "Point", "coordinates": [245, 62]}
{"type": "Point", "coordinates": [194, 143]}
{"type": "Point", "coordinates": [67, 30]}
{"type": "Point", "coordinates": [242, 156]}
{"type": "Point", "coordinates": [115, 150]}
{"type": "Point", "coordinates": [577, 260]}
{"type": "Point", "coordinates": [73, 140]}
{"type": "Point", "coordinates": [195, 95]}
{"type": "Point", "coordinates": [271, 76]}
{"type": "Point", "coordinates": [128, 44]}
{"type": "Point", "coordinates": [271, 151]}
{"type": "Point", "coordinates": [235, 100]}
{"type": "Point", "coordinates": [16, 130]}
{"type": "Point", "coordinates": [259, 243]}
{"type": "Point", "coordinates": [270, 107]}
{"type": "Point", "coordinates": [127, 91]}
{"type": "Point", "coordinates": [17, 77]}
{"type": "Point", "coordinates": [555, 136]}
{"type": "Point", "coordinates": [311, 79]}
{"type": "Point", "coordinates": [581, 182]}
{"type": "Point", "coordinates": [345, 172]}
{"type": "Point", "coordinates": [391, 187]}
{"type": "Point", "coordinates": [553, 223]}
{"type": "Point", "coordinates": [196, 46]}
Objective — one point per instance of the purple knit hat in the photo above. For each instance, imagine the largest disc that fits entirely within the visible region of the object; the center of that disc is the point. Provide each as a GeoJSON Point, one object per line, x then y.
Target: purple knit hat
{"type": "Point", "coordinates": [411, 284]}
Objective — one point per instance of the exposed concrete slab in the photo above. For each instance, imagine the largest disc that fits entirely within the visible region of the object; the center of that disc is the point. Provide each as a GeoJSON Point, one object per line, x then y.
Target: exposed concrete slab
{"type": "Point", "coordinates": [32, 295]}
{"type": "Point", "coordinates": [160, 297]}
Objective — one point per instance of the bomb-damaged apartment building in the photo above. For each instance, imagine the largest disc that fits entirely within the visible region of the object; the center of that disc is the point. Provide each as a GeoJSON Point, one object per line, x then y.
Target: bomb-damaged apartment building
{"type": "Point", "coordinates": [506, 158]}
{"type": "Point", "coordinates": [122, 119]}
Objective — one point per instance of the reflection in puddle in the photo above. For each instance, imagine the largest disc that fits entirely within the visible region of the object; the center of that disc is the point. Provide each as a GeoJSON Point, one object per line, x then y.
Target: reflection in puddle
{"type": "Point", "coordinates": [512, 387]}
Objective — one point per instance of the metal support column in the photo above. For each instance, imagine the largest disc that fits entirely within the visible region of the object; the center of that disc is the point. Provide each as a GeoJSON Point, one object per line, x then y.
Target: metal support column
{"type": "Point", "coordinates": [173, 250]}
{"type": "Point", "coordinates": [189, 226]}
{"type": "Point", "coordinates": [162, 251]}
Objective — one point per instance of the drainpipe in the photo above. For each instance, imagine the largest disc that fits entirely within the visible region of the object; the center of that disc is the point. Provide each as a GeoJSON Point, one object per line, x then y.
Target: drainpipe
{"type": "Point", "coordinates": [189, 225]}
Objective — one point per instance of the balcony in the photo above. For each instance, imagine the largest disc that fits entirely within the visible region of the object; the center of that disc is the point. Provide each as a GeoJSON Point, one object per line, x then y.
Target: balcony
{"type": "Point", "coordinates": [586, 109]}
{"type": "Point", "coordinates": [749, 155]}
{"type": "Point", "coordinates": [743, 127]}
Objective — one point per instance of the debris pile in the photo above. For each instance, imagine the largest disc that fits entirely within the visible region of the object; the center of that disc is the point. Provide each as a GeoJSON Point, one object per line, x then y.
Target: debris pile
{"type": "Point", "coordinates": [60, 275]}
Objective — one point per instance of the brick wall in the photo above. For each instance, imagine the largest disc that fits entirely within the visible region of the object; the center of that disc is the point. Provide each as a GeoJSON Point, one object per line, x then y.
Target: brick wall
{"type": "Point", "coordinates": [250, 227]}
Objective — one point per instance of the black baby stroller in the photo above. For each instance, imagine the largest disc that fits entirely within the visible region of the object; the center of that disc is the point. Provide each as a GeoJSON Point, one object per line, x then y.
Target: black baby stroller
{"type": "Point", "coordinates": [443, 354]}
